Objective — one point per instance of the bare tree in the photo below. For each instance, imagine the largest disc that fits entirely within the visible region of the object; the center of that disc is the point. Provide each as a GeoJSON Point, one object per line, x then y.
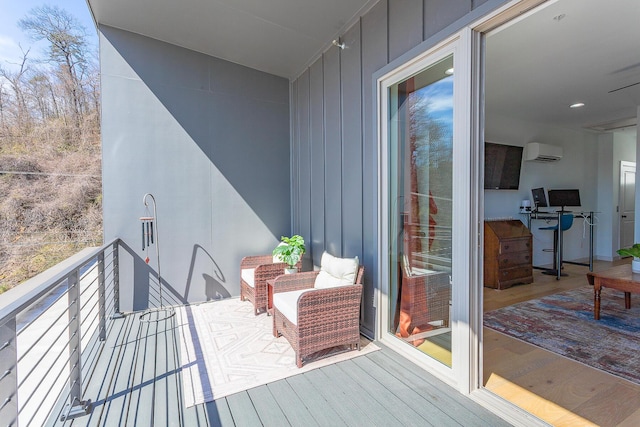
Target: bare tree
{"type": "Point", "coordinates": [3, 107]}
{"type": "Point", "coordinates": [49, 126]}
{"type": "Point", "coordinates": [39, 87]}
{"type": "Point", "coordinates": [93, 90]}
{"type": "Point", "coordinates": [67, 49]}
{"type": "Point", "coordinates": [16, 81]}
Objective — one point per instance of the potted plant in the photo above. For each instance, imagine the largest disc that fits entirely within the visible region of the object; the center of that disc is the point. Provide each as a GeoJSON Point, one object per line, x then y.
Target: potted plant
{"type": "Point", "coordinates": [290, 252]}
{"type": "Point", "coordinates": [633, 251]}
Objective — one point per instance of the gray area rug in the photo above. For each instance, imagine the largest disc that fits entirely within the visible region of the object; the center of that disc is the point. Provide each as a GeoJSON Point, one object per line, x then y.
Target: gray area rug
{"type": "Point", "coordinates": [226, 349]}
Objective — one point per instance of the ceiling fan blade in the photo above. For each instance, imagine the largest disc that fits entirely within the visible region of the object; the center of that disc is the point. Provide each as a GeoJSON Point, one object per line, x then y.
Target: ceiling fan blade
{"type": "Point", "coordinates": [624, 87]}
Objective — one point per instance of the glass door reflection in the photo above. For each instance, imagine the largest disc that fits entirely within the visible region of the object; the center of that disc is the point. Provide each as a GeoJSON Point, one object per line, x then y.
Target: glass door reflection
{"type": "Point", "coordinates": [420, 189]}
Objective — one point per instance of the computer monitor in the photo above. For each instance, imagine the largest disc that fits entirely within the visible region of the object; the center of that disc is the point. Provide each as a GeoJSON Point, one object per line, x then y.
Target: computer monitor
{"type": "Point", "coordinates": [564, 198]}
{"type": "Point", "coordinates": [539, 199]}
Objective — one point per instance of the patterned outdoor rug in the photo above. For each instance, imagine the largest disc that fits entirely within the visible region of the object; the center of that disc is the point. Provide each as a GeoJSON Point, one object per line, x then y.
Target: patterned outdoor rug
{"type": "Point", "coordinates": [563, 323]}
{"type": "Point", "coordinates": [226, 349]}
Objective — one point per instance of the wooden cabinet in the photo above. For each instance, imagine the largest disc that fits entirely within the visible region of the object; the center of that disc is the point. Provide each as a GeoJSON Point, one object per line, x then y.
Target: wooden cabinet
{"type": "Point", "coordinates": [507, 254]}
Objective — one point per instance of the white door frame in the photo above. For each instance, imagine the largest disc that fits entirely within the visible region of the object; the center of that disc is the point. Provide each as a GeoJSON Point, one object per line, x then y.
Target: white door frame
{"type": "Point", "coordinates": [466, 371]}
{"type": "Point", "coordinates": [625, 166]}
{"type": "Point", "coordinates": [510, 12]}
{"type": "Point", "coordinates": [460, 46]}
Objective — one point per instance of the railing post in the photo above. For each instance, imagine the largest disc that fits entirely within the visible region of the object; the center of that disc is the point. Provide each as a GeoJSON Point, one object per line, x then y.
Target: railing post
{"type": "Point", "coordinates": [76, 406]}
{"type": "Point", "coordinates": [116, 282]}
{"type": "Point", "coordinates": [75, 359]}
{"type": "Point", "coordinates": [101, 298]}
{"type": "Point", "coordinates": [8, 373]}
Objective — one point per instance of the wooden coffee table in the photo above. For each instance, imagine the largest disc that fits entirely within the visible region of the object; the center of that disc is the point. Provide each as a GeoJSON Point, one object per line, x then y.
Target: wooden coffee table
{"type": "Point", "coordinates": [620, 278]}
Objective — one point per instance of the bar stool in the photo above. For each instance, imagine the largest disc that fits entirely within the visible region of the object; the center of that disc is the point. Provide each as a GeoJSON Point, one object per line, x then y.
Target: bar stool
{"type": "Point", "coordinates": [566, 221]}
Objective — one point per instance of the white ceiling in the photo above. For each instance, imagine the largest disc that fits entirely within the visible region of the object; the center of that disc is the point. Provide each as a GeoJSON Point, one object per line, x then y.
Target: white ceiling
{"type": "Point", "coordinates": [275, 36]}
{"type": "Point", "coordinates": [535, 68]}
{"type": "Point", "coordinates": [541, 64]}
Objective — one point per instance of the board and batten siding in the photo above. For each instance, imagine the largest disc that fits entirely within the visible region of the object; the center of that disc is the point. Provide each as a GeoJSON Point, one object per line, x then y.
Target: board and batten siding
{"type": "Point", "coordinates": [334, 145]}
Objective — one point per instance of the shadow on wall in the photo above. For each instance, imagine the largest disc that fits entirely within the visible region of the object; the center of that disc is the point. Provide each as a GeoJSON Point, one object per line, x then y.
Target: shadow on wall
{"type": "Point", "coordinates": [213, 286]}
{"type": "Point", "coordinates": [238, 117]}
{"type": "Point", "coordinates": [147, 292]}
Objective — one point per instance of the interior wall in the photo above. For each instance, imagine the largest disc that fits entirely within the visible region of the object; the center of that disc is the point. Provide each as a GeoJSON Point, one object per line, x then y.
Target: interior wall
{"type": "Point", "coordinates": [574, 170]}
{"type": "Point", "coordinates": [605, 216]}
{"type": "Point", "coordinates": [637, 223]}
{"type": "Point", "coordinates": [624, 148]}
{"type": "Point", "coordinates": [335, 153]}
{"type": "Point", "coordinates": [613, 148]}
{"type": "Point", "coordinates": [210, 140]}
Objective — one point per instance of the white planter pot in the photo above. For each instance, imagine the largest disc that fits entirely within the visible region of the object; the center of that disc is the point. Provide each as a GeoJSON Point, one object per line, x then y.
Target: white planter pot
{"type": "Point", "coordinates": [291, 270]}
{"type": "Point", "coordinates": [635, 265]}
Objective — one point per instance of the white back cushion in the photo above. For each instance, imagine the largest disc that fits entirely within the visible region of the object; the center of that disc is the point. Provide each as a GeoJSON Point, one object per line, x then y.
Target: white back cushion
{"type": "Point", "coordinates": [336, 271]}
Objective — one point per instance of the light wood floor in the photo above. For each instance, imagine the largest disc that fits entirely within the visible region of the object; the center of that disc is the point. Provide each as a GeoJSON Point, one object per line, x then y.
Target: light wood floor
{"type": "Point", "coordinates": [558, 390]}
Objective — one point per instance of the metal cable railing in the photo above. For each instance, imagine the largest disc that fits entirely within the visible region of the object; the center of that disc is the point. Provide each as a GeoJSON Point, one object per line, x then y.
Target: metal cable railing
{"type": "Point", "coordinates": [50, 335]}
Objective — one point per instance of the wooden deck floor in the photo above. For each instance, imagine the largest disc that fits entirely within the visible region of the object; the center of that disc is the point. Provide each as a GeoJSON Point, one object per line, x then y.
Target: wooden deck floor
{"type": "Point", "coordinates": [138, 382]}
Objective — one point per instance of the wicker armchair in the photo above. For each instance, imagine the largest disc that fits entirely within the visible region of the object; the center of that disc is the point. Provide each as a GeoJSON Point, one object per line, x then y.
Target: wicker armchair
{"type": "Point", "coordinates": [423, 302]}
{"type": "Point", "coordinates": [326, 318]}
{"type": "Point", "coordinates": [254, 273]}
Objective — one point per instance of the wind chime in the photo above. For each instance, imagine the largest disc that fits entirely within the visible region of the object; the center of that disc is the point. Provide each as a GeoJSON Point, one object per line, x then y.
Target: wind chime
{"type": "Point", "coordinates": [147, 234]}
{"type": "Point", "coordinates": [150, 236]}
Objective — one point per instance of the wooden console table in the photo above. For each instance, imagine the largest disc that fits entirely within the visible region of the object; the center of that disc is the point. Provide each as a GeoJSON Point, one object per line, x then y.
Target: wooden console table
{"type": "Point", "coordinates": [620, 278]}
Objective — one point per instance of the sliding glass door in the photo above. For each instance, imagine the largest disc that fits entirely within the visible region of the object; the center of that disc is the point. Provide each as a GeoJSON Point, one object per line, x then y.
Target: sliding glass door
{"type": "Point", "coordinates": [420, 188]}
{"type": "Point", "coordinates": [425, 206]}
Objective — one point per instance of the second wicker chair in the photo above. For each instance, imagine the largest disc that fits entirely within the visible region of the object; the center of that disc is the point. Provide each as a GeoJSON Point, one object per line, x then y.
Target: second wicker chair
{"type": "Point", "coordinates": [254, 273]}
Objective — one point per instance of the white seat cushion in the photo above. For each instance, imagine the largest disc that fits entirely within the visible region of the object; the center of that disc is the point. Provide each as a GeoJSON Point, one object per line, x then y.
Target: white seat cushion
{"type": "Point", "coordinates": [287, 303]}
{"type": "Point", "coordinates": [336, 271]}
{"type": "Point", "coordinates": [248, 274]}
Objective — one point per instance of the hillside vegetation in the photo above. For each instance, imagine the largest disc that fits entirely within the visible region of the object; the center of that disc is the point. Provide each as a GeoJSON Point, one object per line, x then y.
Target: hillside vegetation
{"type": "Point", "coordinates": [50, 170]}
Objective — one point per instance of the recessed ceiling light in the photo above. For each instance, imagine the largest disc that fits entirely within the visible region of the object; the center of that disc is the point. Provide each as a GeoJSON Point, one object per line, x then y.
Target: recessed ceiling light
{"type": "Point", "coordinates": [577, 105]}
{"type": "Point", "coordinates": [449, 72]}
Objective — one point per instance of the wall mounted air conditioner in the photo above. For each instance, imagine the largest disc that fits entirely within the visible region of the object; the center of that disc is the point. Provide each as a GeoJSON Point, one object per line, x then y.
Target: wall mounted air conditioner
{"type": "Point", "coordinates": [535, 151]}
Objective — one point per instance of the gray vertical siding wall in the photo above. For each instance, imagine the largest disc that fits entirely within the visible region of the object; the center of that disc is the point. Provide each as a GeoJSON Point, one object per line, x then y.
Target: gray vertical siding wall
{"type": "Point", "coordinates": [211, 141]}
{"type": "Point", "coordinates": [334, 113]}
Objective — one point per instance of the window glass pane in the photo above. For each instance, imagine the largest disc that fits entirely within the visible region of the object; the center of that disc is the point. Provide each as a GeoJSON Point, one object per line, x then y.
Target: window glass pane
{"type": "Point", "coordinates": [420, 204]}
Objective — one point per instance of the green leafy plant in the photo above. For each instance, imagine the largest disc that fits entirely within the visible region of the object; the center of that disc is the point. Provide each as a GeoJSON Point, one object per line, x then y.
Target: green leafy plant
{"type": "Point", "coordinates": [291, 252]}
{"type": "Point", "coordinates": [633, 251]}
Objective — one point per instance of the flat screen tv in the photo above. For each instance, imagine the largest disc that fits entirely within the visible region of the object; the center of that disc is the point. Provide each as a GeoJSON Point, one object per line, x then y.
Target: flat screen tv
{"type": "Point", "coordinates": [502, 166]}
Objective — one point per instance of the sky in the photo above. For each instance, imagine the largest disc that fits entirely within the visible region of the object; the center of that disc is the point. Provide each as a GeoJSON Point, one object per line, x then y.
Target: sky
{"type": "Point", "coordinates": [12, 37]}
